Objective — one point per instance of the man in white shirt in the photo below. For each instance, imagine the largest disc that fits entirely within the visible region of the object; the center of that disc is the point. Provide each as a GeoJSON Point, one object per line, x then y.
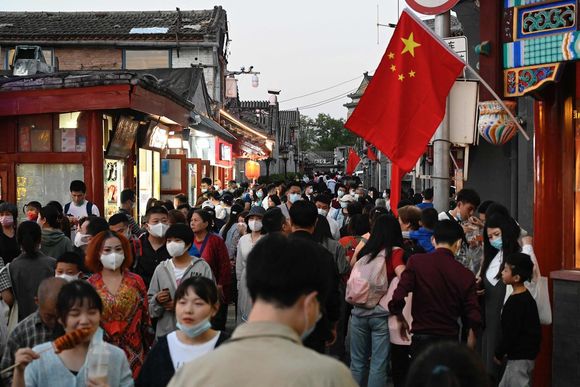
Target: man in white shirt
{"type": "Point", "coordinates": [323, 205]}
{"type": "Point", "coordinates": [79, 207]}
{"type": "Point", "coordinates": [331, 183]}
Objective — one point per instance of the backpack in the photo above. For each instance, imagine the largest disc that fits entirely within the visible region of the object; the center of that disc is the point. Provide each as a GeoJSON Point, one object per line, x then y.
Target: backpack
{"type": "Point", "coordinates": [368, 281]}
{"type": "Point", "coordinates": [89, 208]}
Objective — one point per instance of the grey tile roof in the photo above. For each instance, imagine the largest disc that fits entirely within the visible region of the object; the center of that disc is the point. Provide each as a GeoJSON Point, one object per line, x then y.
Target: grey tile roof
{"type": "Point", "coordinates": [130, 25]}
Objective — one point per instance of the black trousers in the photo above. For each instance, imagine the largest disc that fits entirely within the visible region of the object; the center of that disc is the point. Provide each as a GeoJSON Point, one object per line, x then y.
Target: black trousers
{"type": "Point", "coordinates": [400, 361]}
{"type": "Point", "coordinates": [421, 342]}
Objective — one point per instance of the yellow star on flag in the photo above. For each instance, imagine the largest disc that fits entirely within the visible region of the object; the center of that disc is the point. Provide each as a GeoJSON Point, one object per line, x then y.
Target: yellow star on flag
{"type": "Point", "coordinates": [410, 45]}
{"type": "Point", "coordinates": [393, 68]}
{"type": "Point", "coordinates": [401, 77]}
{"type": "Point", "coordinates": [412, 74]}
{"type": "Point", "coordinates": [391, 55]}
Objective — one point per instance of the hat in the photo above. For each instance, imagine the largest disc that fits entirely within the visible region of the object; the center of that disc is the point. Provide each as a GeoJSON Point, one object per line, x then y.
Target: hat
{"type": "Point", "coordinates": [256, 211]}
{"type": "Point", "coordinates": [207, 204]}
{"type": "Point", "coordinates": [347, 198]}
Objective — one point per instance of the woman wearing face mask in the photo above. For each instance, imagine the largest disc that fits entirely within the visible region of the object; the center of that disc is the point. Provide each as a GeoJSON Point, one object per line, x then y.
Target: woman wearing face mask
{"type": "Point", "coordinates": [213, 250]}
{"type": "Point", "coordinates": [78, 306]}
{"type": "Point", "coordinates": [170, 273]}
{"type": "Point", "coordinates": [54, 242]}
{"type": "Point", "coordinates": [500, 240]}
{"type": "Point", "coordinates": [8, 245]}
{"type": "Point", "coordinates": [125, 319]}
{"type": "Point", "coordinates": [245, 245]}
{"type": "Point", "coordinates": [196, 302]}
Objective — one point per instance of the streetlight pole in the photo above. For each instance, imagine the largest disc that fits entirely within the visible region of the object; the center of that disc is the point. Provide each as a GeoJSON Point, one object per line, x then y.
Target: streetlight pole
{"type": "Point", "coordinates": [441, 138]}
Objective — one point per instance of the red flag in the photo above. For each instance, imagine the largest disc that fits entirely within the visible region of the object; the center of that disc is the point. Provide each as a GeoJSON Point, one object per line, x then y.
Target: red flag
{"type": "Point", "coordinates": [371, 155]}
{"type": "Point", "coordinates": [405, 101]}
{"type": "Point", "coordinates": [396, 177]}
{"type": "Point", "coordinates": [353, 160]}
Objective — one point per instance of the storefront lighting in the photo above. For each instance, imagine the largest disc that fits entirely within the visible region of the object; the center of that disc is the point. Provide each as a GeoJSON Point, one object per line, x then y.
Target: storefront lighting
{"type": "Point", "coordinates": [175, 142]}
{"type": "Point", "coordinates": [241, 125]}
{"type": "Point", "coordinates": [203, 143]}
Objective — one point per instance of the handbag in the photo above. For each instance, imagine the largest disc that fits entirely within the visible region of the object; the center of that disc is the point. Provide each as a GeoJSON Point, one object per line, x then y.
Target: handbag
{"type": "Point", "coordinates": [13, 314]}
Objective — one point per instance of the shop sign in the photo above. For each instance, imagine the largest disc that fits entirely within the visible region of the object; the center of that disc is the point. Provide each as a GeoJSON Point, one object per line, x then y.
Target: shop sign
{"type": "Point", "coordinates": [432, 7]}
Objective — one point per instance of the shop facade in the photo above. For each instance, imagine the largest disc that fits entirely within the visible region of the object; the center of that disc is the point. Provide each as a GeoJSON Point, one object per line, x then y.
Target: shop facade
{"type": "Point", "coordinates": [98, 128]}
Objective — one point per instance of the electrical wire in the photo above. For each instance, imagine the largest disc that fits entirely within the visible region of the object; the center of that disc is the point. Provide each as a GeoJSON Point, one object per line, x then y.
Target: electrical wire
{"type": "Point", "coordinates": [325, 101]}
{"type": "Point", "coordinates": [320, 91]}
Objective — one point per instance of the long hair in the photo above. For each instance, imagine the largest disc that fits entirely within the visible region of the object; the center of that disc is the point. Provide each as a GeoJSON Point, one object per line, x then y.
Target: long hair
{"type": "Point", "coordinates": [93, 255]}
{"type": "Point", "coordinates": [385, 235]}
{"type": "Point", "coordinates": [235, 212]}
{"type": "Point", "coordinates": [510, 232]}
{"type": "Point", "coordinates": [28, 236]}
{"type": "Point", "coordinates": [322, 229]}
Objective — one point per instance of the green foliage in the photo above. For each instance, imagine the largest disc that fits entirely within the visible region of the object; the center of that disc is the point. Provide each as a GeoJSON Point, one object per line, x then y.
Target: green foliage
{"type": "Point", "coordinates": [324, 133]}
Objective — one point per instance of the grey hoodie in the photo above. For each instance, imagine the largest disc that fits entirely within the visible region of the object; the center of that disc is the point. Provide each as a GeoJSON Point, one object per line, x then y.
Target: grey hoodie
{"type": "Point", "coordinates": [164, 278]}
{"type": "Point", "coordinates": [54, 243]}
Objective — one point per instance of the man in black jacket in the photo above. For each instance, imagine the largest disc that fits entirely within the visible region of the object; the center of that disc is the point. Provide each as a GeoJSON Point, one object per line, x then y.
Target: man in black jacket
{"type": "Point", "coordinates": [303, 216]}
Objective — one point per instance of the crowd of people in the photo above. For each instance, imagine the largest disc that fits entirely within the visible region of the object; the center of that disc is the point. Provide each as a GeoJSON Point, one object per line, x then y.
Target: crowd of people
{"type": "Point", "coordinates": [329, 282]}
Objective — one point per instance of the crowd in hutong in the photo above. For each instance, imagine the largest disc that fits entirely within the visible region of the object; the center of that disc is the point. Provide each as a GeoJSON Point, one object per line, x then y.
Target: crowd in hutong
{"type": "Point", "coordinates": [330, 283]}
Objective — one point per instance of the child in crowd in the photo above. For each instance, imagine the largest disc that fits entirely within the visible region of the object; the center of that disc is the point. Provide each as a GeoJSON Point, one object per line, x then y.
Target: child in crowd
{"type": "Point", "coordinates": [423, 236]}
{"type": "Point", "coordinates": [520, 324]}
{"type": "Point", "coordinates": [69, 267]}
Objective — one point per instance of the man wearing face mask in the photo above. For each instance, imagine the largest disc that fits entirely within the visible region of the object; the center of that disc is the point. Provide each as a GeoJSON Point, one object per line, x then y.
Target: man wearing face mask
{"type": "Point", "coordinates": [152, 248]}
{"type": "Point", "coordinates": [121, 224]}
{"type": "Point", "coordinates": [287, 289]}
{"type": "Point", "coordinates": [39, 327]}
{"type": "Point", "coordinates": [128, 200]}
{"type": "Point", "coordinates": [322, 203]}
{"type": "Point", "coordinates": [443, 291]}
{"type": "Point", "coordinates": [303, 216]}
{"type": "Point", "coordinates": [293, 194]}
{"type": "Point", "coordinates": [170, 273]}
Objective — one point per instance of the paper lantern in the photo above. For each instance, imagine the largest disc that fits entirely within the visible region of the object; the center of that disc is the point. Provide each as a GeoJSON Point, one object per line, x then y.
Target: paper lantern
{"type": "Point", "coordinates": [252, 169]}
{"type": "Point", "coordinates": [494, 124]}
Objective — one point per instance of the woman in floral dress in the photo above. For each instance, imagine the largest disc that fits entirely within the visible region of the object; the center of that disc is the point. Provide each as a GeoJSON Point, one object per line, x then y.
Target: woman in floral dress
{"type": "Point", "coordinates": [125, 318]}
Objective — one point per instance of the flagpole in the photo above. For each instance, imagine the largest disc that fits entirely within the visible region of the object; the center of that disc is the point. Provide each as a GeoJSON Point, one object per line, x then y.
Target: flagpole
{"type": "Point", "coordinates": [498, 99]}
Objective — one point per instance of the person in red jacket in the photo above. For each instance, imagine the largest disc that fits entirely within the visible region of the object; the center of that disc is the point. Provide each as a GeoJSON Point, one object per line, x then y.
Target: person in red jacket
{"type": "Point", "coordinates": [213, 250]}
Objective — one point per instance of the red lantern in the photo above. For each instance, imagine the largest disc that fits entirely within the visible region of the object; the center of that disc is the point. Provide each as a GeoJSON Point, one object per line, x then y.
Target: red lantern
{"type": "Point", "coordinates": [252, 169]}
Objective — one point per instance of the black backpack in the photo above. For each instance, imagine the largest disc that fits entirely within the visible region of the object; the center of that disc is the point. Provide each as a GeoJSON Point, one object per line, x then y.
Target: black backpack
{"type": "Point", "coordinates": [89, 208]}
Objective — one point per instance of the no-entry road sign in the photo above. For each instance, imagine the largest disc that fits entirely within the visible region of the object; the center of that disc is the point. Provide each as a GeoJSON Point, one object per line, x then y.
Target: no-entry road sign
{"type": "Point", "coordinates": [432, 7]}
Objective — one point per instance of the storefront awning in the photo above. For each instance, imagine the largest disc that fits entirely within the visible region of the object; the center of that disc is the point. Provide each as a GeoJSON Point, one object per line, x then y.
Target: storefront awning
{"type": "Point", "coordinates": [209, 126]}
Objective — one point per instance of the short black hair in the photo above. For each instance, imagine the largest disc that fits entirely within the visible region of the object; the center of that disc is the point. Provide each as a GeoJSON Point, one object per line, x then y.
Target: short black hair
{"type": "Point", "coordinates": [359, 225]}
{"type": "Point", "coordinates": [294, 184]}
{"type": "Point", "coordinates": [180, 231]}
{"type": "Point", "coordinates": [181, 198]}
{"type": "Point", "coordinates": [448, 232]}
{"type": "Point", "coordinates": [298, 268]}
{"type": "Point", "coordinates": [182, 206]}
{"type": "Point", "coordinates": [273, 220]}
{"type": "Point", "coordinates": [127, 194]}
{"type": "Point", "coordinates": [428, 194]}
{"type": "Point", "coordinates": [207, 181]}
{"type": "Point", "coordinates": [155, 210]}
{"type": "Point", "coordinates": [303, 214]}
{"type": "Point", "coordinates": [429, 218]}
{"type": "Point", "coordinates": [77, 292]}
{"type": "Point", "coordinates": [203, 287]}
{"type": "Point", "coordinates": [78, 186]}
{"type": "Point", "coordinates": [521, 264]}
{"type": "Point", "coordinates": [482, 209]}
{"type": "Point", "coordinates": [97, 225]}
{"type": "Point", "coordinates": [118, 218]}
{"type": "Point", "coordinates": [11, 208]}
{"type": "Point", "coordinates": [322, 198]}
{"type": "Point", "coordinates": [467, 195]}
{"type": "Point", "coordinates": [71, 257]}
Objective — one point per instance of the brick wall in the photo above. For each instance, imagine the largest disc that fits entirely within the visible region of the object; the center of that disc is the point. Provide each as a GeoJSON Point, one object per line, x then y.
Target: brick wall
{"type": "Point", "coordinates": [89, 58]}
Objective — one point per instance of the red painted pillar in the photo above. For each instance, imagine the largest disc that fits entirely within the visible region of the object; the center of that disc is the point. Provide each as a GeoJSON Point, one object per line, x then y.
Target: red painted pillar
{"type": "Point", "coordinates": [94, 178]}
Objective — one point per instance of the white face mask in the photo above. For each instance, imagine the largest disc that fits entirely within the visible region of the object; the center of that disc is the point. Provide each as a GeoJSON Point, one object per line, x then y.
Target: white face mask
{"type": "Point", "coordinates": [112, 261]}
{"type": "Point", "coordinates": [67, 277]}
{"type": "Point", "coordinates": [255, 225]}
{"type": "Point", "coordinates": [340, 194]}
{"type": "Point", "coordinates": [158, 230]}
{"type": "Point", "coordinates": [294, 197]}
{"type": "Point", "coordinates": [322, 212]}
{"type": "Point", "coordinates": [176, 249]}
{"type": "Point", "coordinates": [81, 239]}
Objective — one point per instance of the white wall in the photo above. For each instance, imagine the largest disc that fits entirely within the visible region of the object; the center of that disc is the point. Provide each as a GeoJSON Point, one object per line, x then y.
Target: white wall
{"type": "Point", "coordinates": [203, 55]}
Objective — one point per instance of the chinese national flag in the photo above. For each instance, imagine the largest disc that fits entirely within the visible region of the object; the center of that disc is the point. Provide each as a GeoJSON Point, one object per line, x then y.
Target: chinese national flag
{"type": "Point", "coordinates": [371, 155]}
{"type": "Point", "coordinates": [353, 160]}
{"type": "Point", "coordinates": [405, 101]}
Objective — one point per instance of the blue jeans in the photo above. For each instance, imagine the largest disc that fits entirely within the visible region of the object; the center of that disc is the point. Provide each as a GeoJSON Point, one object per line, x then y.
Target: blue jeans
{"type": "Point", "coordinates": [369, 338]}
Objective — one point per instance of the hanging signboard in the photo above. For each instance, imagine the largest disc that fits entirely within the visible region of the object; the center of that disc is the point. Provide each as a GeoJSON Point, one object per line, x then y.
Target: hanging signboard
{"type": "Point", "coordinates": [432, 7]}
